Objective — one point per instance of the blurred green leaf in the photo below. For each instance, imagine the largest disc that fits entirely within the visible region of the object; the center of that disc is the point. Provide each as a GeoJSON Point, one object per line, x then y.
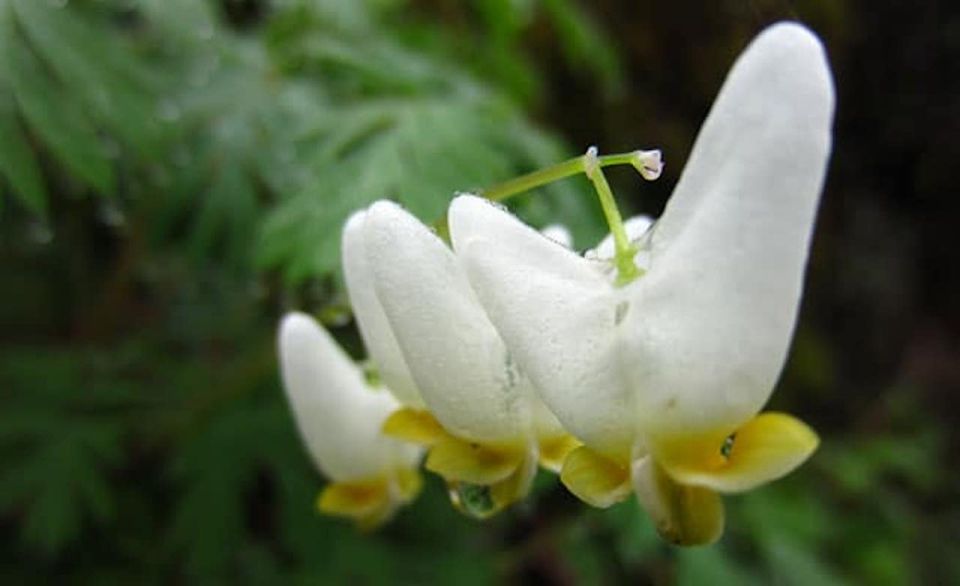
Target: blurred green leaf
{"type": "Point", "coordinates": [57, 444]}
{"type": "Point", "coordinates": [792, 564]}
{"type": "Point", "coordinates": [636, 538]}
{"type": "Point", "coordinates": [584, 42]}
{"type": "Point", "coordinates": [218, 468]}
{"type": "Point", "coordinates": [420, 152]}
{"type": "Point", "coordinates": [711, 565]}
{"type": "Point", "coordinates": [55, 115]}
{"type": "Point", "coordinates": [96, 69]}
{"type": "Point", "coordinates": [18, 165]}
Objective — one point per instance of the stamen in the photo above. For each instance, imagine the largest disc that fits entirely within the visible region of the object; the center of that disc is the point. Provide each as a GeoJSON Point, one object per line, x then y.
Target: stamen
{"type": "Point", "coordinates": [648, 163]}
{"type": "Point", "coordinates": [624, 252]}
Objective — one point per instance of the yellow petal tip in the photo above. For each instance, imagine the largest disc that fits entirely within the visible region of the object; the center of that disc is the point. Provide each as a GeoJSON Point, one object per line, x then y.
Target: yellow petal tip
{"type": "Point", "coordinates": [594, 478]}
{"type": "Point", "coordinates": [684, 515]}
{"type": "Point", "coordinates": [414, 426]}
{"type": "Point", "coordinates": [457, 460]}
{"type": "Point", "coordinates": [764, 449]}
{"type": "Point", "coordinates": [367, 502]}
{"type": "Point", "coordinates": [554, 451]}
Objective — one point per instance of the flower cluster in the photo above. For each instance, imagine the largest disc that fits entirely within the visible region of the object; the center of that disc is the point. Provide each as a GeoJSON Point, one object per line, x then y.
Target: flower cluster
{"type": "Point", "coordinates": [640, 366]}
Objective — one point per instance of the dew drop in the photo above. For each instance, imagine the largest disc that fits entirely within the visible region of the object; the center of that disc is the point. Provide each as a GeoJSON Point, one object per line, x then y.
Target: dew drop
{"type": "Point", "coordinates": [473, 500]}
{"type": "Point", "coordinates": [727, 446]}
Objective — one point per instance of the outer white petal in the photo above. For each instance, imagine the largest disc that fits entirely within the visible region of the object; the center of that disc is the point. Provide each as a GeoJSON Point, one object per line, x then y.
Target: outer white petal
{"type": "Point", "coordinates": [718, 305]}
{"type": "Point", "coordinates": [636, 227]}
{"type": "Point", "coordinates": [461, 366]}
{"type": "Point", "coordinates": [374, 327]}
{"type": "Point", "coordinates": [556, 313]}
{"type": "Point", "coordinates": [559, 234]}
{"type": "Point", "coordinates": [338, 416]}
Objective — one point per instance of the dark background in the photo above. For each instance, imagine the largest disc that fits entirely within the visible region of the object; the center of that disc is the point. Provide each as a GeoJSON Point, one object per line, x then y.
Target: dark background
{"type": "Point", "coordinates": [174, 178]}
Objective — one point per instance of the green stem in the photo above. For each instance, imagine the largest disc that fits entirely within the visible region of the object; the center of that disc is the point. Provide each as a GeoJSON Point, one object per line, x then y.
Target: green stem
{"type": "Point", "coordinates": [591, 165]}
{"type": "Point", "coordinates": [559, 171]}
{"type": "Point", "coordinates": [623, 250]}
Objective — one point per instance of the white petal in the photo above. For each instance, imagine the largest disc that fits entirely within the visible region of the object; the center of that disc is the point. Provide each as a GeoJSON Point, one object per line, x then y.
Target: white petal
{"type": "Point", "coordinates": [338, 416]}
{"type": "Point", "coordinates": [374, 328]}
{"type": "Point", "coordinates": [559, 234]}
{"type": "Point", "coordinates": [460, 364]}
{"type": "Point", "coordinates": [718, 305]}
{"type": "Point", "coordinates": [636, 227]}
{"type": "Point", "coordinates": [556, 313]}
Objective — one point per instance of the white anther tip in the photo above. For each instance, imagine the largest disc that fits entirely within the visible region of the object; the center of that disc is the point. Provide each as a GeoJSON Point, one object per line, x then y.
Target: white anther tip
{"type": "Point", "coordinates": [591, 162]}
{"type": "Point", "coordinates": [648, 163]}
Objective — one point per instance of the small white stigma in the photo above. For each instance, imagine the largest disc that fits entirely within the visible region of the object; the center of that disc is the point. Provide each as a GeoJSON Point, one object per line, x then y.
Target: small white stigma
{"type": "Point", "coordinates": [648, 163]}
{"type": "Point", "coordinates": [591, 163]}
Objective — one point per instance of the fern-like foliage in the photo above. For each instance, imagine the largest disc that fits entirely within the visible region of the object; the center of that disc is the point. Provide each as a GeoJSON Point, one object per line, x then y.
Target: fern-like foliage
{"type": "Point", "coordinates": [218, 136]}
{"type": "Point", "coordinates": [60, 441]}
{"type": "Point", "coordinates": [91, 101]}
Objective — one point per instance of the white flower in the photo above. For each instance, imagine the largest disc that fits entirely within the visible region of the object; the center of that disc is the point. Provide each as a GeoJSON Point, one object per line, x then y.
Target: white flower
{"type": "Point", "coordinates": [662, 378]}
{"type": "Point", "coordinates": [339, 417]}
{"type": "Point", "coordinates": [371, 320]}
{"type": "Point", "coordinates": [486, 429]}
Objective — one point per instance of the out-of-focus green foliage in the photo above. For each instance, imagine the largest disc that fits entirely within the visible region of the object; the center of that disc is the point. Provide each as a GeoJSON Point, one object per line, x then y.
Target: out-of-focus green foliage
{"type": "Point", "coordinates": [175, 173]}
{"type": "Point", "coordinates": [282, 133]}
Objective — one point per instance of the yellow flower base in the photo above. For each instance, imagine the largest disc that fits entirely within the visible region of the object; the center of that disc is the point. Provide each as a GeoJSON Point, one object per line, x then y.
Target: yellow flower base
{"type": "Point", "coordinates": [483, 479]}
{"type": "Point", "coordinates": [370, 502]}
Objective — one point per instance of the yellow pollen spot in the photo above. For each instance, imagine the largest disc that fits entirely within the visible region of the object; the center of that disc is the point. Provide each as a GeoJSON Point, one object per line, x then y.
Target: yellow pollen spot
{"type": "Point", "coordinates": [767, 447]}
{"type": "Point", "coordinates": [595, 479]}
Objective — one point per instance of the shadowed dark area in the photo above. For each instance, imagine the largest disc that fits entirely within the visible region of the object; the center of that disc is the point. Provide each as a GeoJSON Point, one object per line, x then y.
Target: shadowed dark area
{"type": "Point", "coordinates": [175, 175]}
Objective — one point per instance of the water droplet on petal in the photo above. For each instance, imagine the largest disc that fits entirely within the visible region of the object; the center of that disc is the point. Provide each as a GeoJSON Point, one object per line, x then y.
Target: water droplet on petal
{"type": "Point", "coordinates": [473, 500]}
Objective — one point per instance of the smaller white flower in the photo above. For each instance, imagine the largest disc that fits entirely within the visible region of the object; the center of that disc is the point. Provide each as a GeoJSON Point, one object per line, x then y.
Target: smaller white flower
{"type": "Point", "coordinates": [486, 429]}
{"type": "Point", "coordinates": [339, 417]}
{"type": "Point", "coordinates": [375, 329]}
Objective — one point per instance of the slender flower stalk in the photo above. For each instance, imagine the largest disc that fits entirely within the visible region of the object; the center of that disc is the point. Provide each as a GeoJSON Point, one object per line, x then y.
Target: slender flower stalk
{"type": "Point", "coordinates": [647, 163]}
{"type": "Point", "coordinates": [623, 251]}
